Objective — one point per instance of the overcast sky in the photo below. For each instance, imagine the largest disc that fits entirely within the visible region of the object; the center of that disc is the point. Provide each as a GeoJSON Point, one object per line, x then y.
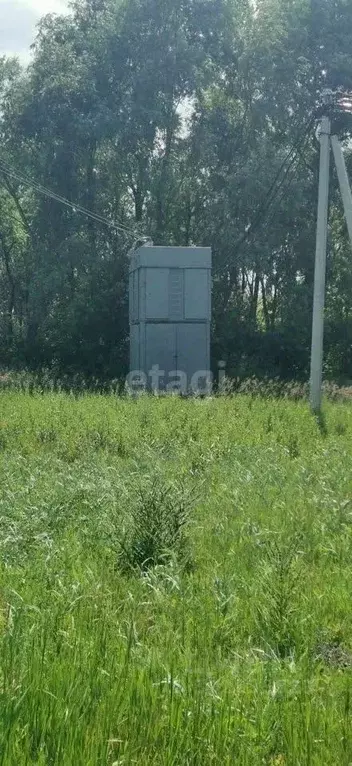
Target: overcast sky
{"type": "Point", "coordinates": [18, 19]}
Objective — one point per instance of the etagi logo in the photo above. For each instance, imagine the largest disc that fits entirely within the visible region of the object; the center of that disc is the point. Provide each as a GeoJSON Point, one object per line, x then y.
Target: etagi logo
{"type": "Point", "coordinates": [176, 381]}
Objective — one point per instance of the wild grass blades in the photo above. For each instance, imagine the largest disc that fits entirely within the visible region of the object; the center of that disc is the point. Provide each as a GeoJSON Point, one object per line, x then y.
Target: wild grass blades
{"type": "Point", "coordinates": [279, 584]}
{"type": "Point", "coordinates": [159, 514]}
{"type": "Point", "coordinates": [242, 655]}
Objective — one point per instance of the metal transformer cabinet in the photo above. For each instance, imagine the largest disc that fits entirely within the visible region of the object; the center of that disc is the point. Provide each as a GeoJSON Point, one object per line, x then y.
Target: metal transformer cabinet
{"type": "Point", "coordinates": [170, 314]}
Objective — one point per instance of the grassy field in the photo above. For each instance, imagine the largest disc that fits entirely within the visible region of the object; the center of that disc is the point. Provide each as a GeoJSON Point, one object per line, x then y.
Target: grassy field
{"type": "Point", "coordinates": [175, 582]}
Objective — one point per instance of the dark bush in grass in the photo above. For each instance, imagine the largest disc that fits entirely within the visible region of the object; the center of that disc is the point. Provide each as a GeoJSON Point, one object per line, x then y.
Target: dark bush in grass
{"type": "Point", "coordinates": [159, 516]}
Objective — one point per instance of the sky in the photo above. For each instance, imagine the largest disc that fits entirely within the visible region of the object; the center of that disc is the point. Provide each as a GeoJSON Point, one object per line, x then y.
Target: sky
{"type": "Point", "coordinates": [18, 19]}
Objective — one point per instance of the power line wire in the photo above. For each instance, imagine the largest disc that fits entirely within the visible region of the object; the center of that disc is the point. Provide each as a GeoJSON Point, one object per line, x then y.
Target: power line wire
{"type": "Point", "coordinates": [289, 180]}
{"type": "Point", "coordinates": [74, 206]}
{"type": "Point", "coordinates": [275, 186]}
{"type": "Point", "coordinates": [9, 171]}
{"type": "Point", "coordinates": [301, 137]}
{"type": "Point", "coordinates": [271, 195]}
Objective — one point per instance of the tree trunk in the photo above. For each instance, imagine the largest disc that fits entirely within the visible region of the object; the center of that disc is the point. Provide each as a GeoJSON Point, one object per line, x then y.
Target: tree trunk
{"type": "Point", "coordinates": [138, 203]}
{"type": "Point", "coordinates": [265, 307]}
{"type": "Point", "coordinates": [91, 195]}
{"type": "Point", "coordinates": [161, 197]}
{"type": "Point", "coordinates": [254, 300]}
{"type": "Point", "coordinates": [12, 292]}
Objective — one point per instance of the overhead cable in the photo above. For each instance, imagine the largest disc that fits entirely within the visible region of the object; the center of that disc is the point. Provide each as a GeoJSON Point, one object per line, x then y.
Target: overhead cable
{"type": "Point", "coordinates": [11, 172]}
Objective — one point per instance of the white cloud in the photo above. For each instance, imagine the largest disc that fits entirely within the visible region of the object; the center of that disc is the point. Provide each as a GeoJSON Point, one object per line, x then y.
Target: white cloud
{"type": "Point", "coordinates": [18, 19]}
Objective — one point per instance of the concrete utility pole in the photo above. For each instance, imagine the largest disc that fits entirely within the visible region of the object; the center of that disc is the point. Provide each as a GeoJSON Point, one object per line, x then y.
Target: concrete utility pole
{"type": "Point", "coordinates": [320, 268]}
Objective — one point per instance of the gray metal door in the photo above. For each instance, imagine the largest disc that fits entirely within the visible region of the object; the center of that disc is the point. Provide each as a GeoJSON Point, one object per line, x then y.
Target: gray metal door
{"type": "Point", "coordinates": [192, 349]}
{"type": "Point", "coordinates": [161, 350]}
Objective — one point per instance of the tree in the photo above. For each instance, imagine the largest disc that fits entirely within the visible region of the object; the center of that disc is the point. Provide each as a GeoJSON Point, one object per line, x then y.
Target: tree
{"type": "Point", "coordinates": [191, 121]}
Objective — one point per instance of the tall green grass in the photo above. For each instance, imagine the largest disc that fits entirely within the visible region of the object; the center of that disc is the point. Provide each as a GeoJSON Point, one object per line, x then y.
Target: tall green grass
{"type": "Point", "coordinates": [222, 637]}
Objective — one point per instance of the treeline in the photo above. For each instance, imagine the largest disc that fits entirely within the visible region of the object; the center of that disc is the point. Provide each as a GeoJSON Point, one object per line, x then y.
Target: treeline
{"type": "Point", "coordinates": [191, 122]}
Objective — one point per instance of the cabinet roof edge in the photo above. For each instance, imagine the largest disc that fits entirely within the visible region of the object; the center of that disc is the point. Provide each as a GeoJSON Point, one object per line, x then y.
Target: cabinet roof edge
{"type": "Point", "coordinates": [171, 257]}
